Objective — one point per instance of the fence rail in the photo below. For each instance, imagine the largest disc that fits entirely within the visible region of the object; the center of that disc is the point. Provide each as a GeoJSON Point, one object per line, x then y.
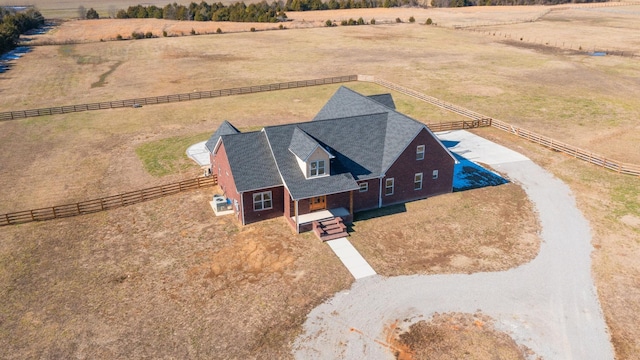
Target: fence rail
{"type": "Point", "coordinates": [105, 203]}
{"type": "Point", "coordinates": [21, 114]}
{"type": "Point", "coordinates": [459, 125]}
{"type": "Point", "coordinates": [482, 120]}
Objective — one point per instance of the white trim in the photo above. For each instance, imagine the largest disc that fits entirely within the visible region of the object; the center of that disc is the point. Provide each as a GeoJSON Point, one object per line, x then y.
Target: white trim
{"type": "Point", "coordinates": [366, 187]}
{"type": "Point", "coordinates": [380, 193]}
{"type": "Point", "coordinates": [262, 200]}
{"type": "Point", "coordinates": [393, 186]}
{"type": "Point", "coordinates": [295, 205]}
{"type": "Point", "coordinates": [215, 148]}
{"type": "Point", "coordinates": [317, 162]}
{"type": "Point", "coordinates": [420, 152]}
{"type": "Point", "coordinates": [434, 174]}
{"type": "Point", "coordinates": [242, 207]}
{"type": "Point", "coordinates": [415, 181]}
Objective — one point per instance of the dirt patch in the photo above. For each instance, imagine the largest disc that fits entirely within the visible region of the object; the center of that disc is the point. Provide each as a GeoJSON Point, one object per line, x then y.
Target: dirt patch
{"type": "Point", "coordinates": [488, 229]}
{"type": "Point", "coordinates": [163, 279]}
{"type": "Point", "coordinates": [631, 220]}
{"type": "Point", "coordinates": [456, 336]}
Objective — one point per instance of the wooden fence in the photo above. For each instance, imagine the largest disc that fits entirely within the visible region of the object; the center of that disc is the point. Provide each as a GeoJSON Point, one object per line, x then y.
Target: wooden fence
{"type": "Point", "coordinates": [459, 125]}
{"type": "Point", "coordinates": [588, 156]}
{"type": "Point", "coordinates": [21, 114]}
{"type": "Point", "coordinates": [482, 120]}
{"type": "Point", "coordinates": [106, 203]}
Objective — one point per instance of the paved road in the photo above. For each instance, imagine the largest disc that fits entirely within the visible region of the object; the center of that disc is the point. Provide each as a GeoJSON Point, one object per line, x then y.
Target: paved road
{"type": "Point", "coordinates": [549, 304]}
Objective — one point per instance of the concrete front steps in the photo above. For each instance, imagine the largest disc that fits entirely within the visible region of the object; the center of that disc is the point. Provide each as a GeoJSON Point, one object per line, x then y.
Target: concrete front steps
{"type": "Point", "coordinates": [330, 229]}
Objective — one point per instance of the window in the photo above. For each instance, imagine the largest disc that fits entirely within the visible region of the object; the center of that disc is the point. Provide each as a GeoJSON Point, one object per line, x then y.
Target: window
{"type": "Point", "coordinates": [262, 201]}
{"type": "Point", "coordinates": [417, 181]}
{"type": "Point", "coordinates": [420, 152]}
{"type": "Point", "coordinates": [316, 168]}
{"type": "Point", "coordinates": [388, 187]}
{"type": "Point", "coordinates": [435, 174]}
{"type": "Point", "coordinates": [364, 187]}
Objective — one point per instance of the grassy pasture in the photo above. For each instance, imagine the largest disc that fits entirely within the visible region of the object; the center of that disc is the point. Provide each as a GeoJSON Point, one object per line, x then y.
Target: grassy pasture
{"type": "Point", "coordinates": [590, 102]}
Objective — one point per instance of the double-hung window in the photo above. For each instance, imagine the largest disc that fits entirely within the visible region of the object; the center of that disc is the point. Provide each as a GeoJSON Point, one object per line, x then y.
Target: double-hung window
{"type": "Point", "coordinates": [364, 187]}
{"type": "Point", "coordinates": [262, 201]}
{"type": "Point", "coordinates": [420, 152]}
{"type": "Point", "coordinates": [435, 174]}
{"type": "Point", "coordinates": [388, 187]}
{"type": "Point", "coordinates": [316, 168]}
{"type": "Point", "coordinates": [417, 181]}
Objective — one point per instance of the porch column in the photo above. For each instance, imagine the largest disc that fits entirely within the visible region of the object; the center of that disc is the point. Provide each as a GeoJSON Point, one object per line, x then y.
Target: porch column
{"type": "Point", "coordinates": [295, 206]}
{"type": "Point", "coordinates": [351, 204]}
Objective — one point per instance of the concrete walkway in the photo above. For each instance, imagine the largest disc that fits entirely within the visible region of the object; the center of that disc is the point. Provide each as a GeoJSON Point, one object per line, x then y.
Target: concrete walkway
{"type": "Point", "coordinates": [199, 153]}
{"type": "Point", "coordinates": [351, 258]}
{"type": "Point", "coordinates": [549, 305]}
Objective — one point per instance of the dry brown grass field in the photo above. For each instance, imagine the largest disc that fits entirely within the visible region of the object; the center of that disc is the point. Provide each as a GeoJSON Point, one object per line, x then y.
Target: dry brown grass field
{"type": "Point", "coordinates": [164, 278]}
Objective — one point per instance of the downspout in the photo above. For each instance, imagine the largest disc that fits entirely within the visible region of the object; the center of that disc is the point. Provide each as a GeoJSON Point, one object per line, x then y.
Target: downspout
{"type": "Point", "coordinates": [380, 193]}
{"type": "Point", "coordinates": [242, 207]}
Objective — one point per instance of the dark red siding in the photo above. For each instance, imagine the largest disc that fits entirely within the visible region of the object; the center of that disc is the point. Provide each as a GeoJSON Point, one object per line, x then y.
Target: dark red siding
{"type": "Point", "coordinates": [277, 198]}
{"type": "Point", "coordinates": [369, 199]}
{"type": "Point", "coordinates": [220, 166]}
{"type": "Point", "coordinates": [406, 166]}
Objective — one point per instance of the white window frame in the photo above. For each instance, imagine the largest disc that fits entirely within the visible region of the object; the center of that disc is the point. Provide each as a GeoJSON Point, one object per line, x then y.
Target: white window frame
{"type": "Point", "coordinates": [387, 187]}
{"type": "Point", "coordinates": [420, 152]}
{"type": "Point", "coordinates": [434, 175]}
{"type": "Point", "coordinates": [417, 181]}
{"type": "Point", "coordinates": [317, 168]}
{"type": "Point", "coordinates": [364, 187]}
{"type": "Point", "coordinates": [260, 200]}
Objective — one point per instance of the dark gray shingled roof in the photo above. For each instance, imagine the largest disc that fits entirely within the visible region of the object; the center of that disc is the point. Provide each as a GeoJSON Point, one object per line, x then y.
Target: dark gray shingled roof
{"type": "Point", "coordinates": [364, 136]}
{"type": "Point", "coordinates": [251, 162]}
{"type": "Point", "coordinates": [224, 129]}
{"type": "Point", "coordinates": [340, 179]}
{"type": "Point", "coordinates": [384, 99]}
{"type": "Point", "coordinates": [400, 129]}
{"type": "Point", "coordinates": [302, 145]}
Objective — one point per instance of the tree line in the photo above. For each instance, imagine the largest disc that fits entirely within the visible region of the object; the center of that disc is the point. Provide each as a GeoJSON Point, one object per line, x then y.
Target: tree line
{"type": "Point", "coordinates": [14, 23]}
{"type": "Point", "coordinates": [237, 12]}
{"type": "Point", "coordinates": [461, 3]}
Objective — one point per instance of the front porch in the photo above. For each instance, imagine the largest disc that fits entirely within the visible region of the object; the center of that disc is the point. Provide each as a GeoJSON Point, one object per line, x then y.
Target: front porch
{"type": "Point", "coordinates": [321, 215]}
{"type": "Point", "coordinates": [305, 222]}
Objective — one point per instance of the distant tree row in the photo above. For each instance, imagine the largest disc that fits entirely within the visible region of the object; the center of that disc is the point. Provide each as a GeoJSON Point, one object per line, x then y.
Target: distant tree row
{"type": "Point", "coordinates": [461, 3]}
{"type": "Point", "coordinates": [238, 12]}
{"type": "Point", "coordinates": [13, 23]}
{"type": "Point", "coordinates": [306, 5]}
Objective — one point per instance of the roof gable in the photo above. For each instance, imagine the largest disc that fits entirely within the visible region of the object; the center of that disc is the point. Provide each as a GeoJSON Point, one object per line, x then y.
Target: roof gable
{"type": "Point", "coordinates": [224, 129]}
{"type": "Point", "coordinates": [384, 99]}
{"type": "Point", "coordinates": [302, 145]}
{"type": "Point", "coordinates": [252, 165]}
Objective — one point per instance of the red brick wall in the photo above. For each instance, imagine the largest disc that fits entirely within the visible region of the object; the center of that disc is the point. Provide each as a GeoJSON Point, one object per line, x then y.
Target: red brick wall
{"type": "Point", "coordinates": [367, 200]}
{"type": "Point", "coordinates": [338, 200]}
{"type": "Point", "coordinates": [220, 166]}
{"type": "Point", "coordinates": [406, 166]}
{"type": "Point", "coordinates": [277, 198]}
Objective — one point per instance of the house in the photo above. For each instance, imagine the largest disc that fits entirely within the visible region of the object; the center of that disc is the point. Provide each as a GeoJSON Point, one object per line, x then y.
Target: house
{"type": "Point", "coordinates": [357, 154]}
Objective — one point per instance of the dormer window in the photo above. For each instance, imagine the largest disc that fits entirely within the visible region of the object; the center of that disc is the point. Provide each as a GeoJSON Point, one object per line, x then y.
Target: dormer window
{"type": "Point", "coordinates": [316, 168]}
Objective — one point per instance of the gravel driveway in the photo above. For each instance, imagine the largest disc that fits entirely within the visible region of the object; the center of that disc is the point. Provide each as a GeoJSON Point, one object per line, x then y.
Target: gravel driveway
{"type": "Point", "coordinates": [549, 304]}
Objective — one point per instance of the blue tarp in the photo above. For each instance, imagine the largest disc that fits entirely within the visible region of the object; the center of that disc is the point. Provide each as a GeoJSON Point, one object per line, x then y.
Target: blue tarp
{"type": "Point", "coordinates": [468, 175]}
